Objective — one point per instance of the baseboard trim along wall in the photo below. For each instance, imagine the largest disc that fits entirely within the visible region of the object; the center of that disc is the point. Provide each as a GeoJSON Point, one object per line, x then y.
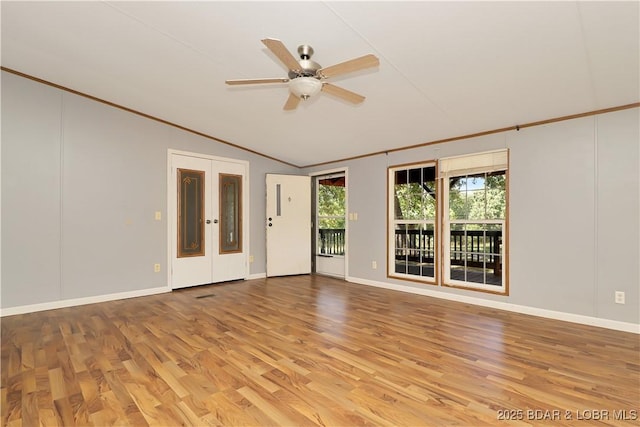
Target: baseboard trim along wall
{"type": "Point", "coordinates": [32, 308]}
{"type": "Point", "coordinates": [533, 311]}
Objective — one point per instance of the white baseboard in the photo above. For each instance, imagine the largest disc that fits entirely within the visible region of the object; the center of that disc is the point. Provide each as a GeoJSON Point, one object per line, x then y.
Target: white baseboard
{"type": "Point", "coordinates": [533, 311]}
{"type": "Point", "coordinates": [550, 314]}
{"type": "Point", "coordinates": [80, 301]}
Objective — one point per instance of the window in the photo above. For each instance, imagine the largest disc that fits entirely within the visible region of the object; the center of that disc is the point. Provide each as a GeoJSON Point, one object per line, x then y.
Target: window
{"type": "Point", "coordinates": [457, 238]}
{"type": "Point", "coordinates": [412, 228]}
{"type": "Point", "coordinates": [474, 220]}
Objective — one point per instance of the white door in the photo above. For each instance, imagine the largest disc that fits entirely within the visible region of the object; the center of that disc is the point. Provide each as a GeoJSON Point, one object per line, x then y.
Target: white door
{"type": "Point", "coordinates": [330, 220]}
{"type": "Point", "coordinates": [206, 213]}
{"type": "Point", "coordinates": [288, 225]}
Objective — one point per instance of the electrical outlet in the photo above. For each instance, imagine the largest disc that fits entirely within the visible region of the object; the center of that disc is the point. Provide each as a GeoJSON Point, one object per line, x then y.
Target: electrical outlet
{"type": "Point", "coordinates": [156, 268]}
{"type": "Point", "coordinates": [250, 258]}
{"type": "Point", "coordinates": [619, 297]}
{"type": "Point", "coordinates": [158, 215]}
{"type": "Point", "coordinates": [374, 265]}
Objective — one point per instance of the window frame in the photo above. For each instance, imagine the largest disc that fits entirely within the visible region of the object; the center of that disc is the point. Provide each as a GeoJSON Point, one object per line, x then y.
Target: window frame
{"type": "Point", "coordinates": [468, 165]}
{"type": "Point", "coordinates": [392, 222]}
{"type": "Point", "coordinates": [318, 218]}
{"type": "Point", "coordinates": [446, 222]}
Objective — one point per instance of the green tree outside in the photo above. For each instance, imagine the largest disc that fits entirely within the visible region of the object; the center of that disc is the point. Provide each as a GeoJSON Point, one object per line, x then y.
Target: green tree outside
{"type": "Point", "coordinates": [331, 203]}
{"type": "Point", "coordinates": [475, 197]}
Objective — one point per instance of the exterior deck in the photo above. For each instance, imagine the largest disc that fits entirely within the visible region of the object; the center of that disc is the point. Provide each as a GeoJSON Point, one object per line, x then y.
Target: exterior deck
{"type": "Point", "coordinates": [480, 251]}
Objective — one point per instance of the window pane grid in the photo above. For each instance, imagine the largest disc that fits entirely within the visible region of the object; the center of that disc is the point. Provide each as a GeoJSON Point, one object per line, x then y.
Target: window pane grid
{"type": "Point", "coordinates": [475, 252]}
{"type": "Point", "coordinates": [477, 207]}
{"type": "Point", "coordinates": [474, 218]}
{"type": "Point", "coordinates": [414, 193]}
{"type": "Point", "coordinates": [412, 213]}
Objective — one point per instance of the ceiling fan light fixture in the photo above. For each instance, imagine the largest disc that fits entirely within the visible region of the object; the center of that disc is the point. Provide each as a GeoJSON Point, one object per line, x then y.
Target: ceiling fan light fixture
{"type": "Point", "coordinates": [307, 78]}
{"type": "Point", "coordinates": [305, 87]}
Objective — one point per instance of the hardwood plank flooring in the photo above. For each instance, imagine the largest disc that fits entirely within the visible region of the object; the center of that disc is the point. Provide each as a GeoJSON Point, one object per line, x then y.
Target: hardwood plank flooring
{"type": "Point", "coordinates": [311, 351]}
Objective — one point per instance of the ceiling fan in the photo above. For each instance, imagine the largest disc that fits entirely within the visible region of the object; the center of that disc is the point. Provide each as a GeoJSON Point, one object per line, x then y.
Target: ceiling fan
{"type": "Point", "coordinates": [306, 78]}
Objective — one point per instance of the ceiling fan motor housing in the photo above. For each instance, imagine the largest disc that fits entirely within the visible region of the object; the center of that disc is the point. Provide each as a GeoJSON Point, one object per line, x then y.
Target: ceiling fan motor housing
{"type": "Point", "coordinates": [308, 68]}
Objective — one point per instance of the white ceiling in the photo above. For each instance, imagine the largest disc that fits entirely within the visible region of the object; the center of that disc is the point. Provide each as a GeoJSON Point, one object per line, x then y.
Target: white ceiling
{"type": "Point", "coordinates": [446, 68]}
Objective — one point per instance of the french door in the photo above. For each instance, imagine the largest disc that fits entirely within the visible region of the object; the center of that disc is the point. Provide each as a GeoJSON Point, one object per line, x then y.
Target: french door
{"type": "Point", "coordinates": [207, 215]}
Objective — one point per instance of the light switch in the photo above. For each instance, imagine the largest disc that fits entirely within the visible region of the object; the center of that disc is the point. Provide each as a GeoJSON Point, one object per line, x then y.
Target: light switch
{"type": "Point", "coordinates": [158, 215]}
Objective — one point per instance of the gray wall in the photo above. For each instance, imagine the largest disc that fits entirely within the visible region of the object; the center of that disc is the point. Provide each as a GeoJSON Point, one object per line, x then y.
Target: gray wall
{"type": "Point", "coordinates": [574, 214]}
{"type": "Point", "coordinates": [81, 182]}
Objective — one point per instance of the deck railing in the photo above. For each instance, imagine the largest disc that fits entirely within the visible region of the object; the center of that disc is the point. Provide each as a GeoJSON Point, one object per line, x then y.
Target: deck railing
{"type": "Point", "coordinates": [331, 241]}
{"type": "Point", "coordinates": [477, 248]}
{"type": "Point", "coordinates": [473, 246]}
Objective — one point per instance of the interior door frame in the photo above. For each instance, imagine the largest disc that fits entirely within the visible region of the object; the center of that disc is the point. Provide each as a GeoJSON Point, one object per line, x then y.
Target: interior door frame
{"type": "Point", "coordinates": [171, 216]}
{"type": "Point", "coordinates": [313, 176]}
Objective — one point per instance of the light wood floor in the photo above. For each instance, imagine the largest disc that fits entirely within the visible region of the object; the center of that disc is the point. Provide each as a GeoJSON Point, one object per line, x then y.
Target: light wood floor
{"type": "Point", "coordinates": [309, 350]}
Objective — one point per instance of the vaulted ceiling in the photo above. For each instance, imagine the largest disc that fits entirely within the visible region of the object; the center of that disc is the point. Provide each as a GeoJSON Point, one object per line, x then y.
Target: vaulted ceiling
{"type": "Point", "coordinates": [446, 69]}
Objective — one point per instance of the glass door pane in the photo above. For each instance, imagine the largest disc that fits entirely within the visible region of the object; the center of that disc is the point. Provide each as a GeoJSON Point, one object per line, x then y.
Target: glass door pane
{"type": "Point", "coordinates": [230, 213]}
{"type": "Point", "coordinates": [190, 213]}
{"type": "Point", "coordinates": [331, 215]}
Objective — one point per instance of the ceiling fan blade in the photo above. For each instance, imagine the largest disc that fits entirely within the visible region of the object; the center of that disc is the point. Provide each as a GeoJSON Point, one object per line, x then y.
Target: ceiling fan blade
{"type": "Point", "coordinates": [350, 66]}
{"type": "Point", "coordinates": [292, 102]}
{"type": "Point", "coordinates": [279, 50]}
{"type": "Point", "coordinates": [342, 93]}
{"type": "Point", "coordinates": [255, 81]}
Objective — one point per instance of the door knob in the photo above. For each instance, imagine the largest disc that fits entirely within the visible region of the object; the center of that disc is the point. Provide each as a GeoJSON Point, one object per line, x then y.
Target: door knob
{"type": "Point", "coordinates": [208, 221]}
{"type": "Point", "coordinates": [215, 221]}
